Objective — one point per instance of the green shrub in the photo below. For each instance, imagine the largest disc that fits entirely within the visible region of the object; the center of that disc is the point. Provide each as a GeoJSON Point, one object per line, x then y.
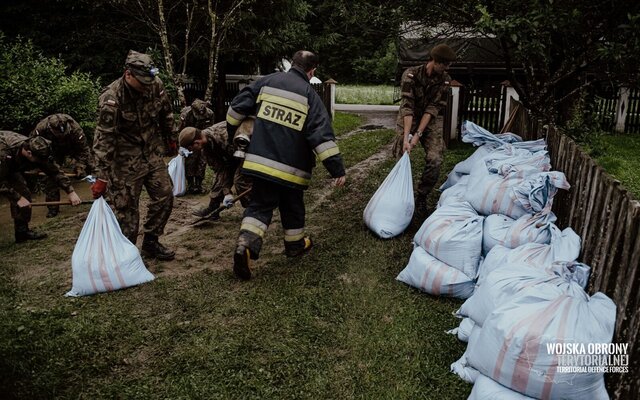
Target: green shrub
{"type": "Point", "coordinates": [585, 129]}
{"type": "Point", "coordinates": [34, 86]}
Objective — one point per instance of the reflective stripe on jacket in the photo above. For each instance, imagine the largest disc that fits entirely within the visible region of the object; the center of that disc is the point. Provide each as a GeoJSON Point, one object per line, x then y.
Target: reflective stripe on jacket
{"type": "Point", "coordinates": [292, 127]}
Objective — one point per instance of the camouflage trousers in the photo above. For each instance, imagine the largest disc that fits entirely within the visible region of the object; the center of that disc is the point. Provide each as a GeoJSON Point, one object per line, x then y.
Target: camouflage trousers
{"type": "Point", "coordinates": [432, 142]}
{"type": "Point", "coordinates": [21, 215]}
{"type": "Point", "coordinates": [267, 196]}
{"type": "Point", "coordinates": [225, 182]}
{"type": "Point", "coordinates": [124, 197]}
{"type": "Point", "coordinates": [195, 165]}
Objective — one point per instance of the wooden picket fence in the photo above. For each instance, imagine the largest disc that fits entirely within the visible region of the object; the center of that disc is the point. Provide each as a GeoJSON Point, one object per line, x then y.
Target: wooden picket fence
{"type": "Point", "coordinates": [607, 218]}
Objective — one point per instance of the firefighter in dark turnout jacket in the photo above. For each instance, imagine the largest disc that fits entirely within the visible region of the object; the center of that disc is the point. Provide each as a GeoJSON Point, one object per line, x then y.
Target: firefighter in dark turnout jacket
{"type": "Point", "coordinates": [292, 128]}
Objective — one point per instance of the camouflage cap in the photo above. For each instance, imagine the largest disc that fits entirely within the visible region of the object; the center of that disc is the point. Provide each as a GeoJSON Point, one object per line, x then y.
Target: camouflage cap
{"type": "Point", "coordinates": [186, 136]}
{"type": "Point", "coordinates": [40, 147]}
{"type": "Point", "coordinates": [443, 53]}
{"type": "Point", "coordinates": [57, 123]}
{"type": "Point", "coordinates": [141, 65]}
{"type": "Point", "coordinates": [199, 108]}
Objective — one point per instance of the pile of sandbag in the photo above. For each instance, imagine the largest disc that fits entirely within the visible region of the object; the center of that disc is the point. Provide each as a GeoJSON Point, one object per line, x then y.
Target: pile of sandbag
{"type": "Point", "coordinates": [493, 241]}
{"type": "Point", "coordinates": [501, 195]}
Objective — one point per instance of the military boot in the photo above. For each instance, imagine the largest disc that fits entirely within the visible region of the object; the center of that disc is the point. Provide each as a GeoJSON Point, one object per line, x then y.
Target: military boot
{"type": "Point", "coordinates": [189, 184]}
{"type": "Point", "coordinates": [299, 249]}
{"type": "Point", "coordinates": [53, 212]}
{"type": "Point", "coordinates": [421, 206]}
{"type": "Point", "coordinates": [214, 204]}
{"type": "Point", "coordinates": [153, 248]}
{"type": "Point", "coordinates": [23, 233]}
{"type": "Point", "coordinates": [197, 185]}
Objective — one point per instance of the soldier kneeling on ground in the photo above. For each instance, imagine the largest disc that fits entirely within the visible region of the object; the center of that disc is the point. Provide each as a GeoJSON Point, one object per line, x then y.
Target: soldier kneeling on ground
{"type": "Point", "coordinates": [214, 145]}
{"type": "Point", "coordinates": [18, 154]}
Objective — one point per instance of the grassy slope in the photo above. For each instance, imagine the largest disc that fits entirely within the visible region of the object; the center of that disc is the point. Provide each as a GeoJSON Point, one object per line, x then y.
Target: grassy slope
{"type": "Point", "coordinates": [621, 159]}
{"type": "Point", "coordinates": [334, 324]}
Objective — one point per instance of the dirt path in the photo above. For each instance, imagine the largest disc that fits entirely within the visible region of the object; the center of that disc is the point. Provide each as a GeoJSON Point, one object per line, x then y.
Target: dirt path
{"type": "Point", "coordinates": [209, 245]}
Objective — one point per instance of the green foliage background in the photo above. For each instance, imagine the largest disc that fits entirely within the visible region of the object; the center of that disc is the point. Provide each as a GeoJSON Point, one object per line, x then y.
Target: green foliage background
{"type": "Point", "coordinates": [34, 86]}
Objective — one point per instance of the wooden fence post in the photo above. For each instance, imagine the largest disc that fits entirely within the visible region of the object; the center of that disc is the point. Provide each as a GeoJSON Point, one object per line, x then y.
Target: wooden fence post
{"type": "Point", "coordinates": [621, 109]}
{"type": "Point", "coordinates": [510, 93]}
{"type": "Point", "coordinates": [455, 108]}
{"type": "Point", "coordinates": [330, 84]}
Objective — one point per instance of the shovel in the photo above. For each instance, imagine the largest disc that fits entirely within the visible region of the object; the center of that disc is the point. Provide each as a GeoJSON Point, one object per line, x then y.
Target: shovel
{"type": "Point", "coordinates": [57, 203]}
{"type": "Point", "coordinates": [221, 208]}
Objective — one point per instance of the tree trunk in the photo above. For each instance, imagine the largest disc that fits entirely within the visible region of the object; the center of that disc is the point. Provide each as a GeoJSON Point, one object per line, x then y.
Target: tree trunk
{"type": "Point", "coordinates": [214, 47]}
{"type": "Point", "coordinates": [166, 52]}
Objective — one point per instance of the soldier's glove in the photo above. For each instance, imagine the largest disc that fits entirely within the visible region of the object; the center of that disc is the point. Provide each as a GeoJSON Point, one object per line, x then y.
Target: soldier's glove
{"type": "Point", "coordinates": [172, 147]}
{"type": "Point", "coordinates": [228, 201]}
{"type": "Point", "coordinates": [99, 188]}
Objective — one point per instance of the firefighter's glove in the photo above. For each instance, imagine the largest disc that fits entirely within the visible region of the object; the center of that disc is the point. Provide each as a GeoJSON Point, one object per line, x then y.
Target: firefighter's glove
{"type": "Point", "coordinates": [99, 188]}
{"type": "Point", "coordinates": [228, 201]}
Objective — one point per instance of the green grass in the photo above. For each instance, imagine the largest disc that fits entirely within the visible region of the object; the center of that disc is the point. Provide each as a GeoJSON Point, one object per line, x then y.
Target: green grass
{"type": "Point", "coordinates": [622, 161]}
{"type": "Point", "coordinates": [345, 122]}
{"type": "Point", "coordinates": [333, 325]}
{"type": "Point", "coordinates": [359, 94]}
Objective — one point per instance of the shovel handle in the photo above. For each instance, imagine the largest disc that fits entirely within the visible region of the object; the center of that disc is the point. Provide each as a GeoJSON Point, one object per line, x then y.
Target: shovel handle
{"type": "Point", "coordinates": [57, 203]}
{"type": "Point", "coordinates": [217, 210]}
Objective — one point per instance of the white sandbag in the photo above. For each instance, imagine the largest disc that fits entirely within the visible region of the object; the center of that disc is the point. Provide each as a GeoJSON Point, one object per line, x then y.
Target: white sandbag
{"type": "Point", "coordinates": [463, 331]}
{"type": "Point", "coordinates": [502, 230]}
{"type": "Point", "coordinates": [432, 276]}
{"type": "Point", "coordinates": [462, 368]}
{"type": "Point", "coordinates": [390, 210]}
{"type": "Point", "coordinates": [564, 247]}
{"type": "Point", "coordinates": [486, 388]}
{"type": "Point", "coordinates": [515, 194]}
{"type": "Point", "coordinates": [511, 347]}
{"type": "Point", "coordinates": [487, 143]}
{"type": "Point", "coordinates": [453, 235]}
{"type": "Point", "coordinates": [478, 136]}
{"type": "Point", "coordinates": [177, 174]}
{"type": "Point", "coordinates": [454, 194]}
{"type": "Point", "coordinates": [508, 281]}
{"type": "Point", "coordinates": [508, 158]}
{"type": "Point", "coordinates": [452, 179]}
{"type": "Point", "coordinates": [104, 259]}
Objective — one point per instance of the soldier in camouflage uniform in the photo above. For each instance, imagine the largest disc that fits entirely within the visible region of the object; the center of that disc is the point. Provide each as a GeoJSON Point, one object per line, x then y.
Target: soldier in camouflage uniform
{"type": "Point", "coordinates": [135, 120]}
{"type": "Point", "coordinates": [214, 144]}
{"type": "Point", "coordinates": [67, 140]}
{"type": "Point", "coordinates": [19, 153]}
{"type": "Point", "coordinates": [424, 90]}
{"type": "Point", "coordinates": [197, 115]}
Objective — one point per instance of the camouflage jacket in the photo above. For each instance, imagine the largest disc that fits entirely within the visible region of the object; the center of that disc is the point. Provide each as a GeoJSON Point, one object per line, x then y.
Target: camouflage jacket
{"type": "Point", "coordinates": [218, 152]}
{"type": "Point", "coordinates": [188, 118]}
{"type": "Point", "coordinates": [131, 130]}
{"type": "Point", "coordinates": [422, 93]}
{"type": "Point", "coordinates": [71, 142]}
{"type": "Point", "coordinates": [11, 162]}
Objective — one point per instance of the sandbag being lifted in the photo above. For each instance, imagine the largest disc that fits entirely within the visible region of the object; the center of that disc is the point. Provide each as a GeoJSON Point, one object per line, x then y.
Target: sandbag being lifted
{"type": "Point", "coordinates": [104, 259]}
{"type": "Point", "coordinates": [177, 172]}
{"type": "Point", "coordinates": [390, 209]}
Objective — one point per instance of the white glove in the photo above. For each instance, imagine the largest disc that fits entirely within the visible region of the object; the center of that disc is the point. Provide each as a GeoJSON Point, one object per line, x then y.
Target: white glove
{"type": "Point", "coordinates": [228, 201]}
